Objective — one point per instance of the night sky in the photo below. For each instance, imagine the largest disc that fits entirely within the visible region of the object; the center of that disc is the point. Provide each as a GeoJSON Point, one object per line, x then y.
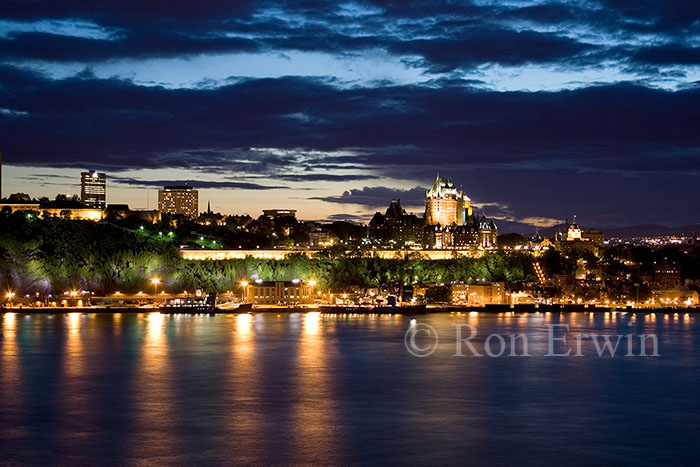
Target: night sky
{"type": "Point", "coordinates": [537, 109]}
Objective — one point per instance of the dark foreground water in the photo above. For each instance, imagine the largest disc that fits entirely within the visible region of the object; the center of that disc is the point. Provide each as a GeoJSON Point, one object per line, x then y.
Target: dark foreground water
{"type": "Point", "coordinates": [86, 389]}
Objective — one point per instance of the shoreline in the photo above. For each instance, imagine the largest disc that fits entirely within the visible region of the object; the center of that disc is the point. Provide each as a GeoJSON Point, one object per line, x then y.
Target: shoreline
{"type": "Point", "coordinates": [493, 309]}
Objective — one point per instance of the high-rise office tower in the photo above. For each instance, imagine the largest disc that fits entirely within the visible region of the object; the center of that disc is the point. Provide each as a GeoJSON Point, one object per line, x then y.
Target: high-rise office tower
{"type": "Point", "coordinates": [93, 189]}
{"type": "Point", "coordinates": [183, 200]}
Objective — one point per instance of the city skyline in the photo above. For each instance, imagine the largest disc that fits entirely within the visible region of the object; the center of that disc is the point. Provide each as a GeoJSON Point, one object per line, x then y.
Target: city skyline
{"type": "Point", "coordinates": [355, 232]}
{"type": "Point", "coordinates": [537, 108]}
{"type": "Point", "coordinates": [227, 205]}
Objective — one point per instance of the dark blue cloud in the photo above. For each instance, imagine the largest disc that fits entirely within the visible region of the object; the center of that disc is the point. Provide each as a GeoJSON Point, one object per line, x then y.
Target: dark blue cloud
{"type": "Point", "coordinates": [668, 54]}
{"type": "Point", "coordinates": [475, 47]}
{"type": "Point", "coordinates": [513, 146]}
{"type": "Point", "coordinates": [196, 183]}
{"type": "Point", "coordinates": [444, 35]}
{"type": "Point", "coordinates": [137, 44]}
{"type": "Point", "coordinates": [114, 123]}
{"type": "Point", "coordinates": [324, 177]}
{"type": "Point", "coordinates": [378, 196]}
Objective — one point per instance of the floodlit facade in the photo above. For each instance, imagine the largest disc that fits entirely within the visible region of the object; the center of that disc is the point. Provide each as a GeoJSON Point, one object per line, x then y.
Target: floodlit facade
{"type": "Point", "coordinates": [93, 189]}
{"type": "Point", "coordinates": [273, 293]}
{"type": "Point", "coordinates": [575, 240]}
{"type": "Point", "coordinates": [450, 221]}
{"type": "Point", "coordinates": [276, 213]}
{"type": "Point", "coordinates": [180, 200]}
{"type": "Point", "coordinates": [322, 238]}
{"type": "Point", "coordinates": [492, 293]}
{"type": "Point", "coordinates": [445, 205]}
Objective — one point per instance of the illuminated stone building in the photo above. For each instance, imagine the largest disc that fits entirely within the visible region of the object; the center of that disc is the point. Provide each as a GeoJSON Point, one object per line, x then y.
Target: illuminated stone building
{"type": "Point", "coordinates": [282, 293]}
{"type": "Point", "coordinates": [438, 237]}
{"type": "Point", "coordinates": [122, 211]}
{"type": "Point", "coordinates": [488, 233]}
{"type": "Point", "coordinates": [182, 200]}
{"type": "Point", "coordinates": [574, 232]}
{"type": "Point", "coordinates": [575, 240]}
{"type": "Point", "coordinates": [19, 202]}
{"type": "Point", "coordinates": [93, 189]}
{"type": "Point", "coordinates": [277, 213]}
{"type": "Point", "coordinates": [491, 293]}
{"type": "Point", "coordinates": [322, 238]}
{"type": "Point", "coordinates": [667, 276]}
{"type": "Point", "coordinates": [67, 208]}
{"type": "Point", "coordinates": [450, 221]}
{"type": "Point", "coordinates": [445, 205]}
{"type": "Point", "coordinates": [396, 225]}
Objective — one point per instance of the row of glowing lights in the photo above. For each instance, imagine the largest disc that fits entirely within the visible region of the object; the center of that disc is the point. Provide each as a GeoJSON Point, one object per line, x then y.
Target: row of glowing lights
{"type": "Point", "coordinates": [606, 314]}
{"type": "Point", "coordinates": [244, 283]}
{"type": "Point", "coordinates": [10, 295]}
{"type": "Point", "coordinates": [310, 282]}
{"type": "Point", "coordinates": [156, 281]}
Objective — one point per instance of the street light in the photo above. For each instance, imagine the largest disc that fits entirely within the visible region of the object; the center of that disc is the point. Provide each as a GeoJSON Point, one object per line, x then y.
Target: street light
{"type": "Point", "coordinates": [244, 284]}
{"type": "Point", "coordinates": [74, 294]}
{"type": "Point", "coordinates": [155, 281]}
{"type": "Point", "coordinates": [10, 296]}
{"type": "Point", "coordinates": [312, 284]}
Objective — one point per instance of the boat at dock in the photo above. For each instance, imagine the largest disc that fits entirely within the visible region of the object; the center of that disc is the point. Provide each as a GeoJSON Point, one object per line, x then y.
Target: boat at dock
{"type": "Point", "coordinates": [379, 309]}
{"type": "Point", "coordinates": [201, 306]}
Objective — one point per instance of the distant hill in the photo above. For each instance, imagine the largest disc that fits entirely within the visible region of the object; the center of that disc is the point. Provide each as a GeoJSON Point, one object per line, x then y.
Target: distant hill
{"type": "Point", "coordinates": [505, 227]}
{"type": "Point", "coordinates": [650, 230]}
{"type": "Point", "coordinates": [642, 230]}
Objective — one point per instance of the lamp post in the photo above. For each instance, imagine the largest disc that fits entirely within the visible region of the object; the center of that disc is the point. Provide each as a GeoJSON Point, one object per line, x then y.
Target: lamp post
{"type": "Point", "coordinates": [312, 284]}
{"type": "Point", "coordinates": [10, 296]}
{"type": "Point", "coordinates": [244, 284]}
{"type": "Point", "coordinates": [155, 281]}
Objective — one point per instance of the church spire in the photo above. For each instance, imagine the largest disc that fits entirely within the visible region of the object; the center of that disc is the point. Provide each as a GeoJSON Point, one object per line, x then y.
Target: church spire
{"type": "Point", "coordinates": [208, 206]}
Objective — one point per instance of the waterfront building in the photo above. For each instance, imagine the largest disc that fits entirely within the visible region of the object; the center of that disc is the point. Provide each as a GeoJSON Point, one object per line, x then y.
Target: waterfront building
{"type": "Point", "coordinates": [490, 293]}
{"type": "Point", "coordinates": [667, 276]}
{"type": "Point", "coordinates": [93, 189]}
{"type": "Point", "coordinates": [678, 296]}
{"type": "Point", "coordinates": [179, 200]}
{"type": "Point", "coordinates": [279, 293]}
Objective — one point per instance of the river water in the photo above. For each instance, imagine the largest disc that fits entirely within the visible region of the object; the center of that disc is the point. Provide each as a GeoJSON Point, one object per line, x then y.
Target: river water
{"type": "Point", "coordinates": [304, 388]}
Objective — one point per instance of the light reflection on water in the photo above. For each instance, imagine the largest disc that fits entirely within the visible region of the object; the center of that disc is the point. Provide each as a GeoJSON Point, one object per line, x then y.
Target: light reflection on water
{"type": "Point", "coordinates": [11, 387]}
{"type": "Point", "coordinates": [154, 436]}
{"type": "Point", "coordinates": [315, 409]}
{"type": "Point", "coordinates": [307, 388]}
{"type": "Point", "coordinates": [242, 386]}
